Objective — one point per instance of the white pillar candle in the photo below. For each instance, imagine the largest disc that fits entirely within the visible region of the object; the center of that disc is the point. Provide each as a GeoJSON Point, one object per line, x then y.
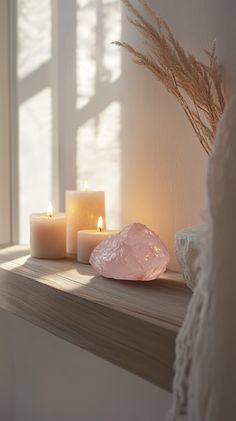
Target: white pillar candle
{"type": "Point", "coordinates": [82, 212]}
{"type": "Point", "coordinates": [48, 235]}
{"type": "Point", "coordinates": [87, 240]}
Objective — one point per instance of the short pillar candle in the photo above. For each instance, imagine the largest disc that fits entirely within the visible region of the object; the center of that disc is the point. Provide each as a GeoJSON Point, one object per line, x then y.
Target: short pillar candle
{"type": "Point", "coordinates": [83, 209]}
{"type": "Point", "coordinates": [87, 240]}
{"type": "Point", "coordinates": [48, 235]}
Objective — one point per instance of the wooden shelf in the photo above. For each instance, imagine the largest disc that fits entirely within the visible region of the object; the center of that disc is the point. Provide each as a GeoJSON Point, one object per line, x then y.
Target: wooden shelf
{"type": "Point", "coordinates": [130, 324]}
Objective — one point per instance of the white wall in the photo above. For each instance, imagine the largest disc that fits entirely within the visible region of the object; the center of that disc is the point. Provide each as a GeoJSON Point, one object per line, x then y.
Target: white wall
{"type": "Point", "coordinates": [45, 378]}
{"type": "Point", "coordinates": [224, 27]}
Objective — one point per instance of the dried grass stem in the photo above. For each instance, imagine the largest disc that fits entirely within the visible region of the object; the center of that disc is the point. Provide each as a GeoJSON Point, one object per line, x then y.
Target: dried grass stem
{"type": "Point", "coordinates": [196, 85]}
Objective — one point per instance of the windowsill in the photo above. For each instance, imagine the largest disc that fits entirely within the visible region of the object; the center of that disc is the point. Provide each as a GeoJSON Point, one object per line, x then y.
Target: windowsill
{"type": "Point", "coordinates": [133, 325]}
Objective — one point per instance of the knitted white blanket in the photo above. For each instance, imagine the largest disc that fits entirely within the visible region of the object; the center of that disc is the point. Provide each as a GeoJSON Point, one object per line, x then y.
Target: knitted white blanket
{"type": "Point", "coordinates": [205, 381]}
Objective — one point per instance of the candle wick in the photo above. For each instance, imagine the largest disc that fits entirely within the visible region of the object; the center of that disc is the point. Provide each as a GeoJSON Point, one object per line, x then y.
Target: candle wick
{"type": "Point", "coordinates": [100, 229]}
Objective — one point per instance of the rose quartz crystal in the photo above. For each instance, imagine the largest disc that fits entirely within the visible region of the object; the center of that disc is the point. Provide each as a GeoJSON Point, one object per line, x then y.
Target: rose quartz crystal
{"type": "Point", "coordinates": [136, 253]}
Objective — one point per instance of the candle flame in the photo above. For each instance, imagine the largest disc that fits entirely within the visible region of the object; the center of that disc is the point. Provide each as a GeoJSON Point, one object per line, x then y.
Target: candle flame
{"type": "Point", "coordinates": [86, 185]}
{"type": "Point", "coordinates": [50, 210]}
{"type": "Point", "coordinates": [100, 224]}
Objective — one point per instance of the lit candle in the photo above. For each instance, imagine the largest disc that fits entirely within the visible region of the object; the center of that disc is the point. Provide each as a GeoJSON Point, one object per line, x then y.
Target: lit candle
{"type": "Point", "coordinates": [87, 240]}
{"type": "Point", "coordinates": [48, 235]}
{"type": "Point", "coordinates": [83, 209]}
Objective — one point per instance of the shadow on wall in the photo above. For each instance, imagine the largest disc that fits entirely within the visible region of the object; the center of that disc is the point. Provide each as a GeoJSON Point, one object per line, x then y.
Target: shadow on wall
{"type": "Point", "coordinates": [44, 377]}
{"type": "Point", "coordinates": [86, 112]}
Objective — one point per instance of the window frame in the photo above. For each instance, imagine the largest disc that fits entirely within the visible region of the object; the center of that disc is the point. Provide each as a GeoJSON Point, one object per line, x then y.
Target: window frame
{"type": "Point", "coordinates": [5, 173]}
{"type": "Point", "coordinates": [8, 124]}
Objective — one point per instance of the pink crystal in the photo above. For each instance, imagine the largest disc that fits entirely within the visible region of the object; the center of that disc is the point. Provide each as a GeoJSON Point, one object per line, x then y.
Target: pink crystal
{"type": "Point", "coordinates": [136, 253]}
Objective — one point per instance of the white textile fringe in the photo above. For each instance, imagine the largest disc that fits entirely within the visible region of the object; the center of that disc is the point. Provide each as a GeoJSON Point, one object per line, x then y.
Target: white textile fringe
{"type": "Point", "coordinates": [204, 386]}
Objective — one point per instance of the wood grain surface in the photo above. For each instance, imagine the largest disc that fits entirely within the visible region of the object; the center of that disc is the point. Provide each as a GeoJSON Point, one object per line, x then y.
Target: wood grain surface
{"type": "Point", "coordinates": [131, 324]}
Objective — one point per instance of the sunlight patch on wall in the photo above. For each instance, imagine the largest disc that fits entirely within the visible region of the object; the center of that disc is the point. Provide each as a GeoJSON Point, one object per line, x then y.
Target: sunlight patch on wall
{"type": "Point", "coordinates": [98, 67]}
{"type": "Point", "coordinates": [86, 45]}
{"type": "Point", "coordinates": [34, 35]}
{"type": "Point", "coordinates": [112, 32]}
{"type": "Point", "coordinates": [35, 158]}
{"type": "Point", "coordinates": [34, 29]}
{"type": "Point", "coordinates": [98, 159]}
{"type": "Point", "coordinates": [98, 61]}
